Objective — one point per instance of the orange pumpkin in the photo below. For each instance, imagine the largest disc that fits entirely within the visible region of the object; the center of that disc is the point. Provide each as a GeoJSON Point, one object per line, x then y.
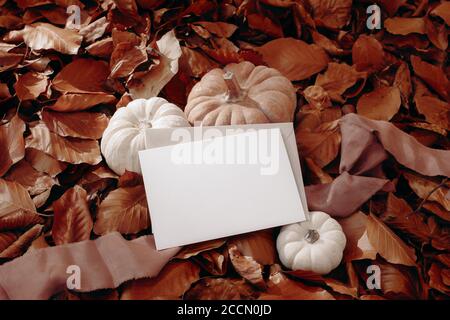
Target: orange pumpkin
{"type": "Point", "coordinates": [241, 94]}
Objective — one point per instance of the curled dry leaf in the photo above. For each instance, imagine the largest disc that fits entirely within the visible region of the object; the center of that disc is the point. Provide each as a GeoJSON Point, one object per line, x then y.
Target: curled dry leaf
{"type": "Point", "coordinates": [150, 83]}
{"type": "Point", "coordinates": [321, 145]}
{"type": "Point", "coordinates": [9, 60]}
{"type": "Point", "coordinates": [404, 26]}
{"type": "Point", "coordinates": [72, 219]}
{"type": "Point", "coordinates": [295, 59]}
{"type": "Point", "coordinates": [43, 162]}
{"type": "Point", "coordinates": [102, 48]}
{"type": "Point", "coordinates": [403, 82]}
{"type": "Point", "coordinates": [89, 125]}
{"type": "Point", "coordinates": [368, 54]}
{"type": "Point", "coordinates": [124, 210]}
{"type": "Point", "coordinates": [247, 267]}
{"type": "Point", "coordinates": [398, 281]}
{"type": "Point", "coordinates": [434, 109]}
{"type": "Point", "coordinates": [6, 239]}
{"type": "Point", "coordinates": [381, 104]}
{"type": "Point", "coordinates": [14, 199]}
{"type": "Point", "coordinates": [78, 101]}
{"type": "Point", "coordinates": [214, 262]}
{"type": "Point", "coordinates": [443, 11]}
{"type": "Point", "coordinates": [12, 143]}
{"type": "Point", "coordinates": [129, 52]}
{"type": "Point", "coordinates": [259, 245]}
{"type": "Point", "coordinates": [439, 278]}
{"type": "Point", "coordinates": [195, 63]}
{"type": "Point", "coordinates": [428, 189]}
{"type": "Point", "coordinates": [264, 24]}
{"type": "Point", "coordinates": [388, 244]}
{"type": "Point", "coordinates": [171, 283]}
{"type": "Point", "coordinates": [220, 289]}
{"type": "Point", "coordinates": [280, 287]}
{"type": "Point", "coordinates": [338, 78]}
{"type": "Point", "coordinates": [72, 150]}
{"type": "Point", "coordinates": [31, 85]}
{"type": "Point", "coordinates": [129, 179]}
{"type": "Point", "coordinates": [19, 246]}
{"type": "Point", "coordinates": [358, 246]}
{"type": "Point", "coordinates": [42, 35]}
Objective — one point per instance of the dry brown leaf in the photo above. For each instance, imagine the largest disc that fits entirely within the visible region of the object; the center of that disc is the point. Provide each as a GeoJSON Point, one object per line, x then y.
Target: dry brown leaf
{"type": "Point", "coordinates": [443, 11]}
{"type": "Point", "coordinates": [12, 143]}
{"type": "Point", "coordinates": [247, 267]}
{"type": "Point", "coordinates": [435, 110]}
{"type": "Point", "coordinates": [151, 82]}
{"type": "Point", "coordinates": [94, 30]}
{"type": "Point", "coordinates": [368, 54]}
{"type": "Point", "coordinates": [381, 104]}
{"type": "Point", "coordinates": [79, 101]}
{"type": "Point", "coordinates": [72, 150]}
{"type": "Point", "coordinates": [264, 24]}
{"type": "Point", "coordinates": [195, 63]}
{"type": "Point", "coordinates": [388, 244]}
{"type": "Point", "coordinates": [129, 52]}
{"type": "Point", "coordinates": [322, 145]}
{"type": "Point", "coordinates": [404, 26]}
{"type": "Point", "coordinates": [31, 85]}
{"type": "Point", "coordinates": [330, 46]}
{"type": "Point", "coordinates": [428, 189]}
{"type": "Point", "coordinates": [42, 35]}
{"type": "Point", "coordinates": [43, 162]}
{"type": "Point", "coordinates": [89, 125]}
{"type": "Point", "coordinates": [220, 289]}
{"type": "Point", "coordinates": [437, 33]}
{"type": "Point", "coordinates": [14, 199]}
{"type": "Point", "coordinates": [171, 283]}
{"type": "Point", "coordinates": [72, 220]}
{"type": "Point", "coordinates": [34, 181]}
{"type": "Point", "coordinates": [295, 59]}
{"type": "Point", "coordinates": [437, 278]}
{"type": "Point", "coordinates": [437, 209]}
{"type": "Point", "coordinates": [259, 245]}
{"type": "Point", "coordinates": [338, 78]}
{"type": "Point", "coordinates": [130, 179]}
{"type": "Point", "coordinates": [124, 210]}
{"type": "Point", "coordinates": [403, 82]}
{"type": "Point", "coordinates": [280, 287]}
{"type": "Point", "coordinates": [214, 262]}
{"type": "Point", "coordinates": [358, 246]}
{"type": "Point", "coordinates": [220, 29]}
{"type": "Point", "coordinates": [6, 239]}
{"type": "Point", "coordinates": [9, 60]}
{"type": "Point", "coordinates": [332, 14]}
{"type": "Point", "coordinates": [91, 80]}
{"type": "Point", "coordinates": [432, 75]}
{"type": "Point", "coordinates": [320, 175]}
{"type": "Point", "coordinates": [19, 246]}
{"type": "Point", "coordinates": [19, 220]}
{"type": "Point", "coordinates": [102, 48]}
{"type": "Point", "coordinates": [397, 280]}
{"type": "Point", "coordinates": [196, 248]}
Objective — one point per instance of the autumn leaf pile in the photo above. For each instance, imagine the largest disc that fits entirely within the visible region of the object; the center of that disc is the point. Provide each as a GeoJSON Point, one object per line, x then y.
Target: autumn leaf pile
{"type": "Point", "coordinates": [61, 84]}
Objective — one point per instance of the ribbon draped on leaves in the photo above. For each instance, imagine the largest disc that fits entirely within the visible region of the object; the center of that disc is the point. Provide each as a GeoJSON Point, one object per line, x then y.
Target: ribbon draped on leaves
{"type": "Point", "coordinates": [365, 145]}
{"type": "Point", "coordinates": [103, 263]}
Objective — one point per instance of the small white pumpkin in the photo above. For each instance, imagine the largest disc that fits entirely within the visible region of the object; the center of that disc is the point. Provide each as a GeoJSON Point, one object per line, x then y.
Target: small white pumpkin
{"type": "Point", "coordinates": [125, 134]}
{"type": "Point", "coordinates": [316, 245]}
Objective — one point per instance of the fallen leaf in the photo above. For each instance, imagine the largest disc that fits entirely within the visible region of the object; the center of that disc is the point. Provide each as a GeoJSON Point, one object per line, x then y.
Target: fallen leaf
{"type": "Point", "coordinates": [72, 150]}
{"type": "Point", "coordinates": [388, 244]}
{"type": "Point", "coordinates": [6, 239]}
{"type": "Point", "coordinates": [72, 220]}
{"type": "Point", "coordinates": [194, 249]}
{"type": "Point", "coordinates": [42, 35]}
{"type": "Point", "coordinates": [129, 52]}
{"type": "Point", "coordinates": [381, 104]}
{"type": "Point", "coordinates": [295, 59]}
{"type": "Point", "coordinates": [171, 283]}
{"type": "Point", "coordinates": [78, 101]}
{"type": "Point", "coordinates": [443, 11]}
{"type": "Point", "coordinates": [264, 24]}
{"type": "Point", "coordinates": [428, 189]}
{"type": "Point", "coordinates": [214, 262]}
{"type": "Point", "coordinates": [432, 75]}
{"type": "Point", "coordinates": [434, 109]}
{"type": "Point", "coordinates": [397, 280]}
{"type": "Point", "coordinates": [91, 80]}
{"type": "Point", "coordinates": [43, 162]}
{"type": "Point", "coordinates": [87, 125]}
{"type": "Point", "coordinates": [436, 274]}
{"type": "Point", "coordinates": [31, 85]}
{"type": "Point", "coordinates": [338, 78]}
{"type": "Point", "coordinates": [124, 210]}
{"type": "Point", "coordinates": [151, 82]}
{"type": "Point", "coordinates": [331, 13]}
{"type": "Point", "coordinates": [404, 26]}
{"type": "Point", "coordinates": [321, 145]}
{"type": "Point", "coordinates": [220, 289]}
{"type": "Point", "coordinates": [247, 267]}
{"type": "Point", "coordinates": [259, 245]}
{"type": "Point", "coordinates": [19, 246]}
{"type": "Point", "coordinates": [12, 143]}
{"type": "Point", "coordinates": [403, 82]}
{"type": "Point", "coordinates": [437, 209]}
{"type": "Point", "coordinates": [220, 29]}
{"type": "Point", "coordinates": [368, 54]}
{"type": "Point", "coordinates": [195, 63]}
{"type": "Point", "coordinates": [14, 199]}
{"type": "Point", "coordinates": [9, 60]}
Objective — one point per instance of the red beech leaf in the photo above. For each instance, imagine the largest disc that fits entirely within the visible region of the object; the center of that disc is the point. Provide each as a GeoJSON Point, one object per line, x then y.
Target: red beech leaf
{"type": "Point", "coordinates": [72, 219]}
{"type": "Point", "coordinates": [196, 248]}
{"type": "Point", "coordinates": [43, 162]}
{"type": "Point", "coordinates": [31, 85]}
{"type": "Point", "coordinates": [368, 54]}
{"type": "Point", "coordinates": [19, 246]}
{"type": "Point", "coordinates": [247, 267]}
{"type": "Point", "coordinates": [381, 104]}
{"type": "Point", "coordinates": [12, 143]}
{"type": "Point", "coordinates": [259, 245]}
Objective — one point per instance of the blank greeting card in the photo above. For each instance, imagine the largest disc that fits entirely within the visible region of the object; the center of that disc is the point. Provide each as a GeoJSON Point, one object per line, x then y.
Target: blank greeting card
{"type": "Point", "coordinates": [218, 187]}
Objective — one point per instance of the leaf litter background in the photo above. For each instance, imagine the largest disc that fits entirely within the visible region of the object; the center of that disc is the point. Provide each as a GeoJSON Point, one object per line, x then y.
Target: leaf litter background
{"type": "Point", "coordinates": [59, 86]}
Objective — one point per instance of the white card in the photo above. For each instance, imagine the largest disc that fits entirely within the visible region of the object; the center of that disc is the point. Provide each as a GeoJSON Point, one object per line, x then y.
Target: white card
{"type": "Point", "coordinates": [219, 187]}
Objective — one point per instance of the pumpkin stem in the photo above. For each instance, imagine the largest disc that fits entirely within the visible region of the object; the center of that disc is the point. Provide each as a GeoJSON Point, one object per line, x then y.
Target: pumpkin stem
{"type": "Point", "coordinates": [234, 90]}
{"type": "Point", "coordinates": [312, 236]}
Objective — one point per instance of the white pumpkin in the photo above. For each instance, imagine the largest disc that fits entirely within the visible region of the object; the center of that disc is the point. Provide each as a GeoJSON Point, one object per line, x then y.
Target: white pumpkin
{"type": "Point", "coordinates": [125, 134]}
{"type": "Point", "coordinates": [315, 245]}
